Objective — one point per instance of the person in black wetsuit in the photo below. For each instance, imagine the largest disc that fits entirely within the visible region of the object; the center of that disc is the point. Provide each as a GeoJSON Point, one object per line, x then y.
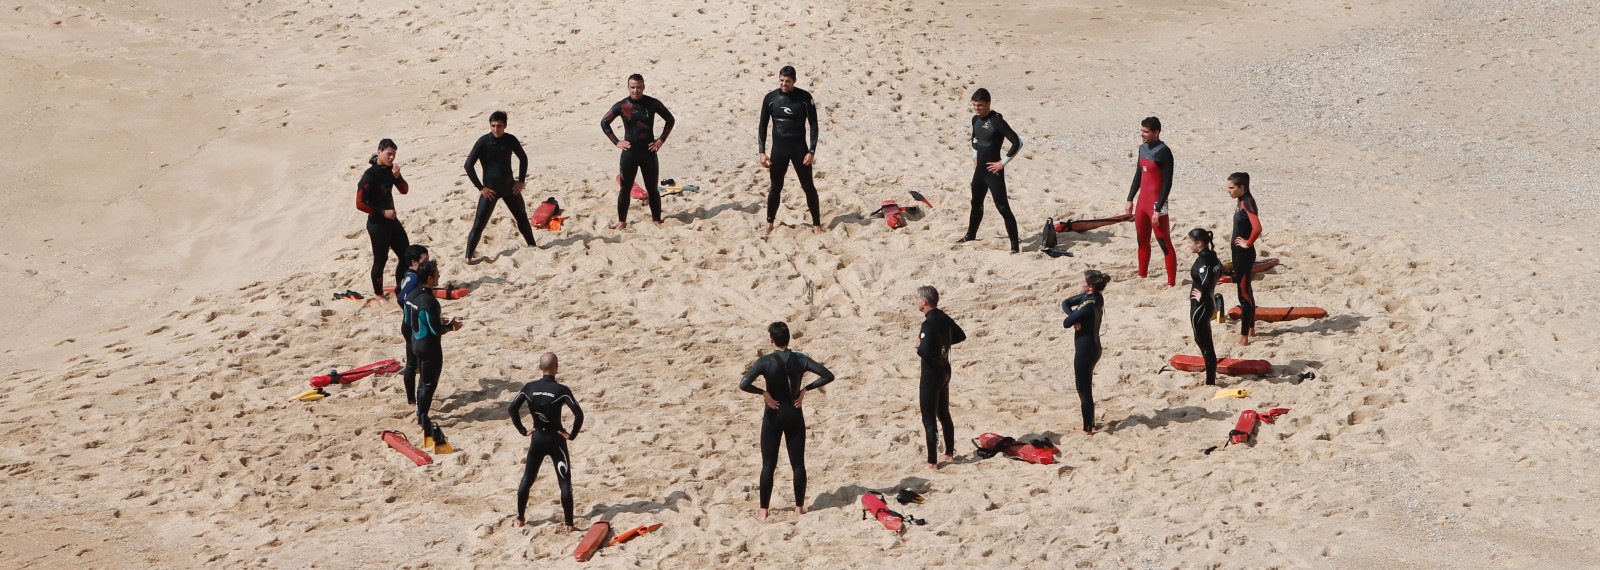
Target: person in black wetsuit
{"type": "Point", "coordinates": [1246, 230]}
{"type": "Point", "coordinates": [639, 145]}
{"type": "Point", "coordinates": [789, 109]}
{"type": "Point", "coordinates": [427, 327]}
{"type": "Point", "coordinates": [494, 150]}
{"type": "Point", "coordinates": [1085, 313]}
{"type": "Point", "coordinates": [781, 416]}
{"type": "Point", "coordinates": [416, 255]}
{"type": "Point", "coordinates": [374, 196]}
{"type": "Point", "coordinates": [544, 398]}
{"type": "Point", "coordinates": [1203, 276]}
{"type": "Point", "coordinates": [989, 131]}
{"type": "Point", "coordinates": [938, 333]}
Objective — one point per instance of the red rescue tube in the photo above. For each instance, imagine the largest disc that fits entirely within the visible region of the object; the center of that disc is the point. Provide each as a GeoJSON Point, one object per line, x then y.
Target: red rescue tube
{"type": "Point", "coordinates": [1262, 266]}
{"type": "Point", "coordinates": [1228, 366]}
{"type": "Point", "coordinates": [348, 376]}
{"type": "Point", "coordinates": [446, 294]}
{"type": "Point", "coordinates": [542, 214]}
{"type": "Point", "coordinates": [638, 192]}
{"type": "Point", "coordinates": [402, 445]}
{"type": "Point", "coordinates": [1086, 225]}
{"type": "Point", "coordinates": [1015, 449]}
{"type": "Point", "coordinates": [873, 504]}
{"type": "Point", "coordinates": [592, 540]}
{"type": "Point", "coordinates": [1277, 314]}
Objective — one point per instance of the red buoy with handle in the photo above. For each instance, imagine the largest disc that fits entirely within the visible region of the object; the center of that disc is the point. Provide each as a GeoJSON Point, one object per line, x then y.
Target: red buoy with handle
{"type": "Point", "coordinates": [592, 540]}
{"type": "Point", "coordinates": [872, 504]}
{"type": "Point", "coordinates": [348, 376]}
{"type": "Point", "coordinates": [399, 442]}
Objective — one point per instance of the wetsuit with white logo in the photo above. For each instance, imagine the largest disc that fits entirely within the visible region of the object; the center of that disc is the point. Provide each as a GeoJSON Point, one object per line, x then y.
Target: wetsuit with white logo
{"type": "Point", "coordinates": [988, 133]}
{"type": "Point", "coordinates": [790, 113]}
{"type": "Point", "coordinates": [544, 398]}
{"type": "Point", "coordinates": [783, 371]}
{"type": "Point", "coordinates": [1152, 183]}
{"type": "Point", "coordinates": [638, 124]}
{"type": "Point", "coordinates": [427, 331]}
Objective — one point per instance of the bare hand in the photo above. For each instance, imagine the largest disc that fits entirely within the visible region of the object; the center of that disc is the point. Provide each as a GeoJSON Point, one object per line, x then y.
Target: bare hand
{"type": "Point", "coordinates": [624, 145]}
{"type": "Point", "coordinates": [564, 435]}
{"type": "Point", "coordinates": [771, 403]}
{"type": "Point", "coordinates": [1194, 294]}
{"type": "Point", "coordinates": [656, 145]}
{"type": "Point", "coordinates": [808, 159]}
{"type": "Point", "coordinates": [389, 214]}
{"type": "Point", "coordinates": [517, 188]}
{"type": "Point", "coordinates": [486, 192]}
{"type": "Point", "coordinates": [799, 398]}
{"type": "Point", "coordinates": [765, 161]}
{"type": "Point", "coordinates": [1077, 326]}
{"type": "Point", "coordinates": [1239, 241]}
{"type": "Point", "coordinates": [395, 169]}
{"type": "Point", "coordinates": [1130, 207]}
{"type": "Point", "coordinates": [996, 167]}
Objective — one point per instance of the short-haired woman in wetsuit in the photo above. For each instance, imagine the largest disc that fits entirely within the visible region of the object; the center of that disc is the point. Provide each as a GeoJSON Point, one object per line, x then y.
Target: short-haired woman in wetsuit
{"type": "Point", "coordinates": [1203, 275]}
{"type": "Point", "coordinates": [1085, 312]}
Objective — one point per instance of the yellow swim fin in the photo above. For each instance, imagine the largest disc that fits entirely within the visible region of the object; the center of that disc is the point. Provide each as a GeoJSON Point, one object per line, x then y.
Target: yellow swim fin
{"type": "Point", "coordinates": [310, 395]}
{"type": "Point", "coordinates": [427, 442]}
{"type": "Point", "coordinates": [1231, 393]}
{"type": "Point", "coordinates": [441, 444]}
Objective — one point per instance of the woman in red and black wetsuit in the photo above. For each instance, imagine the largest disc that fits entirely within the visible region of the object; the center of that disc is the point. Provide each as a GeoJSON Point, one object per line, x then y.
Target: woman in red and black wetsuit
{"type": "Point", "coordinates": [1246, 230]}
{"type": "Point", "coordinates": [373, 196]}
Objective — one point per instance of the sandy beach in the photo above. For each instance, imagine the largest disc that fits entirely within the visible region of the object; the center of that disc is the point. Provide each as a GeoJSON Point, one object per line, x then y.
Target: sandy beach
{"type": "Point", "coordinates": [177, 207]}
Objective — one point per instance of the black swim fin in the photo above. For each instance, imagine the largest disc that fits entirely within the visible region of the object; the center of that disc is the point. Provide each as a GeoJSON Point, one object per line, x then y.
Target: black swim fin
{"type": "Point", "coordinates": [1049, 241]}
{"type": "Point", "coordinates": [907, 496]}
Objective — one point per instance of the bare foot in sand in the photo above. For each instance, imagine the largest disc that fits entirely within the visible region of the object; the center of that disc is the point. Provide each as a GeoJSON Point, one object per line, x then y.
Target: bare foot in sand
{"type": "Point", "coordinates": [571, 528]}
{"type": "Point", "coordinates": [1087, 431]}
{"type": "Point", "coordinates": [519, 522]}
{"type": "Point", "coordinates": [816, 229]}
{"type": "Point", "coordinates": [762, 515]}
{"type": "Point", "coordinates": [620, 226]}
{"type": "Point", "coordinates": [933, 466]}
{"type": "Point", "coordinates": [798, 509]}
{"type": "Point", "coordinates": [1244, 340]}
{"type": "Point", "coordinates": [658, 224]}
{"type": "Point", "coordinates": [768, 228]}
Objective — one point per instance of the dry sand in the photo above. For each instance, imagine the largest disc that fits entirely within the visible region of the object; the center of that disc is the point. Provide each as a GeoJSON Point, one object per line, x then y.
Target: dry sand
{"type": "Point", "coordinates": [176, 213]}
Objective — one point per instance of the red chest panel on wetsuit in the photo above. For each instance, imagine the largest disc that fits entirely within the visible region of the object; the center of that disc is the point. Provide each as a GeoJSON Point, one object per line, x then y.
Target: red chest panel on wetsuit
{"type": "Point", "coordinates": [1150, 179]}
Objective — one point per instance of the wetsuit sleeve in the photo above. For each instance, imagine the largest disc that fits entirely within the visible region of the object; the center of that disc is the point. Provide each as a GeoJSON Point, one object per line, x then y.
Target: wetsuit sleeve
{"type": "Point", "coordinates": [1138, 173]}
{"type": "Point", "coordinates": [956, 334]}
{"type": "Point", "coordinates": [1011, 135]}
{"type": "Point", "coordinates": [472, 160]}
{"type": "Point", "coordinates": [577, 415]}
{"type": "Point", "coordinates": [435, 320]}
{"type": "Point", "coordinates": [761, 128]}
{"type": "Point", "coordinates": [661, 109]}
{"type": "Point", "coordinates": [1164, 160]}
{"type": "Point", "coordinates": [605, 124]}
{"type": "Point", "coordinates": [1254, 213]}
{"type": "Point", "coordinates": [516, 412]}
{"type": "Point", "coordinates": [364, 194]}
{"type": "Point", "coordinates": [401, 185]}
{"type": "Point", "coordinates": [814, 367]}
{"type": "Point", "coordinates": [811, 112]}
{"type": "Point", "coordinates": [522, 160]}
{"type": "Point", "coordinates": [1072, 302]}
{"type": "Point", "coordinates": [748, 383]}
{"type": "Point", "coordinates": [1085, 308]}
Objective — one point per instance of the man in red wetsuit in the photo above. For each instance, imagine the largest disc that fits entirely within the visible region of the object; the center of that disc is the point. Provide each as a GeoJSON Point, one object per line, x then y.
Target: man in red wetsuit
{"type": "Point", "coordinates": [1152, 183]}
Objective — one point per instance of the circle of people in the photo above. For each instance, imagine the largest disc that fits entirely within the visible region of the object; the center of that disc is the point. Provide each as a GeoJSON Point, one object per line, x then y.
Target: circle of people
{"type": "Point", "coordinates": [793, 115]}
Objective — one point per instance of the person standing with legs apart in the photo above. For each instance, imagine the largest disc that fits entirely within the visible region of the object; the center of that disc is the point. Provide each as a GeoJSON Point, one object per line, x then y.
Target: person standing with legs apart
{"type": "Point", "coordinates": [1246, 230]}
{"type": "Point", "coordinates": [544, 398]}
{"type": "Point", "coordinates": [494, 151]}
{"type": "Point", "coordinates": [639, 145]}
{"type": "Point", "coordinates": [1152, 184]}
{"type": "Point", "coordinates": [1086, 311]}
{"type": "Point", "coordinates": [781, 416]}
{"type": "Point", "coordinates": [427, 329]}
{"type": "Point", "coordinates": [989, 132]}
{"type": "Point", "coordinates": [938, 333]}
{"type": "Point", "coordinates": [790, 109]}
{"type": "Point", "coordinates": [1205, 273]}
{"type": "Point", "coordinates": [374, 196]}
